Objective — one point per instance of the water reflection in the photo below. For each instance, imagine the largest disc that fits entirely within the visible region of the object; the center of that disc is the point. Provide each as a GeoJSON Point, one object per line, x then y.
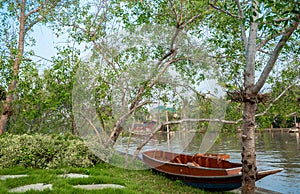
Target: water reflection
{"type": "Point", "coordinates": [273, 149]}
{"type": "Point", "coordinates": [280, 150]}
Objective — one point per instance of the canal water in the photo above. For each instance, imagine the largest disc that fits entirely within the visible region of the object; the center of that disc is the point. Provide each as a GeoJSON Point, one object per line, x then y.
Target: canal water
{"type": "Point", "coordinates": [273, 149]}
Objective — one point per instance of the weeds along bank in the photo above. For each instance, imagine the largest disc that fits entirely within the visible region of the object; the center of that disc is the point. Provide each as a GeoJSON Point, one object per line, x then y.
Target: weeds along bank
{"type": "Point", "coordinates": [44, 151]}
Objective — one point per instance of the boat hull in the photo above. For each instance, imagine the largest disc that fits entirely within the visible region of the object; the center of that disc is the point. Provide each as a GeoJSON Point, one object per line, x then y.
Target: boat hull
{"type": "Point", "coordinates": [213, 183]}
{"type": "Point", "coordinates": [208, 176]}
{"type": "Point", "coordinates": [189, 165]}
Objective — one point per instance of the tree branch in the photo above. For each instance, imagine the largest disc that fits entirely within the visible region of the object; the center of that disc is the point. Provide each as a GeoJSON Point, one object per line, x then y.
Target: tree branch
{"type": "Point", "coordinates": [98, 47]}
{"type": "Point", "coordinates": [34, 22]}
{"type": "Point", "coordinates": [270, 64]}
{"type": "Point", "coordinates": [43, 58]}
{"type": "Point", "coordinates": [93, 127]}
{"type": "Point", "coordinates": [265, 52]}
{"type": "Point", "coordinates": [282, 19]}
{"type": "Point", "coordinates": [38, 19]}
{"type": "Point", "coordinates": [225, 11]}
{"type": "Point", "coordinates": [191, 20]}
{"type": "Point", "coordinates": [265, 41]}
{"type": "Point", "coordinates": [34, 11]}
{"type": "Point", "coordinates": [151, 81]}
{"type": "Point", "coordinates": [199, 120]}
{"type": "Point", "coordinates": [117, 129]}
{"type": "Point", "coordinates": [103, 18]}
{"type": "Point", "coordinates": [174, 11]}
{"type": "Point", "coordinates": [243, 29]}
{"type": "Point", "coordinates": [181, 12]}
{"type": "Point", "coordinates": [277, 98]}
{"type": "Point", "coordinates": [278, 20]}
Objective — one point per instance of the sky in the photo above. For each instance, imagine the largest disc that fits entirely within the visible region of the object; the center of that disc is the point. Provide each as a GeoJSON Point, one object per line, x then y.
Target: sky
{"type": "Point", "coordinates": [45, 41]}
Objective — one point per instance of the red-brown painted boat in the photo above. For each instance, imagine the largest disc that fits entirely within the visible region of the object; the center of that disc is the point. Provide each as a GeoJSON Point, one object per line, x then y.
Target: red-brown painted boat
{"type": "Point", "coordinates": [206, 171]}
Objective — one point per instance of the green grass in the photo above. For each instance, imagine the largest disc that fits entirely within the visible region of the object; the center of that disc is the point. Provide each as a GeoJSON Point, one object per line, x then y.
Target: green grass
{"type": "Point", "coordinates": [142, 181]}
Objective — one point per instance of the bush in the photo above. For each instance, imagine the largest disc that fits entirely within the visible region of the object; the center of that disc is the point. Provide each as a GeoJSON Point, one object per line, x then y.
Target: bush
{"type": "Point", "coordinates": [44, 151]}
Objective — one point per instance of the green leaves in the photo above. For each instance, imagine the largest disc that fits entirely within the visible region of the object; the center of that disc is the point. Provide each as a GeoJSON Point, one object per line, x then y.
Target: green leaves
{"type": "Point", "coordinates": [44, 102]}
{"type": "Point", "coordinates": [45, 151]}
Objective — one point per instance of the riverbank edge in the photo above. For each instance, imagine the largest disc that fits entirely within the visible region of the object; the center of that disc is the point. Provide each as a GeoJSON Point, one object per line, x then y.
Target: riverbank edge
{"type": "Point", "coordinates": [134, 181]}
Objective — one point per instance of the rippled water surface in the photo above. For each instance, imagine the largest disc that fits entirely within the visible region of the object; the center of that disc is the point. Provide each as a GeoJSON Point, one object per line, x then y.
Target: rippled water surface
{"type": "Point", "coordinates": [273, 149]}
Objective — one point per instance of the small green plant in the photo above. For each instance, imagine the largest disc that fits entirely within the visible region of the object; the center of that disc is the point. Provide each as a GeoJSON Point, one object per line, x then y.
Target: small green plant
{"type": "Point", "coordinates": [44, 151]}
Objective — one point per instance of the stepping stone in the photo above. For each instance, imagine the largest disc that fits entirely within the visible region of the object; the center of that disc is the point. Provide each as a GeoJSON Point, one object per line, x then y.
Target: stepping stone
{"type": "Point", "coordinates": [4, 177]}
{"type": "Point", "coordinates": [36, 187]}
{"type": "Point", "coordinates": [99, 186]}
{"type": "Point", "coordinates": [73, 175]}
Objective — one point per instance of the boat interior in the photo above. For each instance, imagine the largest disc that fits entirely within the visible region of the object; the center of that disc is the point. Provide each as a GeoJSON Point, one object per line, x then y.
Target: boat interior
{"type": "Point", "coordinates": [203, 160]}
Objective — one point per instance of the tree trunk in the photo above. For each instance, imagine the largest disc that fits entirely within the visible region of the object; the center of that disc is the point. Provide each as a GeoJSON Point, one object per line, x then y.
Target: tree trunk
{"type": "Point", "coordinates": [250, 104]}
{"type": "Point", "coordinates": [73, 125]}
{"type": "Point", "coordinates": [7, 110]}
{"type": "Point", "coordinates": [74, 131]}
{"type": "Point", "coordinates": [248, 153]}
{"type": "Point", "coordinates": [117, 130]}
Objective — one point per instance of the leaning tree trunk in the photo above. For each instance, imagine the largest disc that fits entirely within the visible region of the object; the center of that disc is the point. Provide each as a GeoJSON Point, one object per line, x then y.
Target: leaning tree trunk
{"type": "Point", "coordinates": [7, 110]}
{"type": "Point", "coordinates": [248, 152]}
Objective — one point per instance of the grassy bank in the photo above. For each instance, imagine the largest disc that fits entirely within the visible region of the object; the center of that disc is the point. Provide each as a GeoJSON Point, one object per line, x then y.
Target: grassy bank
{"type": "Point", "coordinates": [43, 157]}
{"type": "Point", "coordinates": [142, 181]}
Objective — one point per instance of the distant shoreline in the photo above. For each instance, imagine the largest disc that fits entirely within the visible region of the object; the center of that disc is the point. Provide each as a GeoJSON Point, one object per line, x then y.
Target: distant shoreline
{"type": "Point", "coordinates": [288, 130]}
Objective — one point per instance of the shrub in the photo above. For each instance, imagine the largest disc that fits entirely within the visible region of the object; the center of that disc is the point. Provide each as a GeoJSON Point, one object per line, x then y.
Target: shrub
{"type": "Point", "coordinates": [44, 151]}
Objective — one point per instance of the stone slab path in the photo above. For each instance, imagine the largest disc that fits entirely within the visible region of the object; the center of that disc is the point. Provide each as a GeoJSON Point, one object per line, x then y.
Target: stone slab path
{"type": "Point", "coordinates": [37, 187]}
{"type": "Point", "coordinates": [99, 186]}
{"type": "Point", "coordinates": [43, 186]}
{"type": "Point", "coordinates": [74, 175]}
{"type": "Point", "coordinates": [4, 177]}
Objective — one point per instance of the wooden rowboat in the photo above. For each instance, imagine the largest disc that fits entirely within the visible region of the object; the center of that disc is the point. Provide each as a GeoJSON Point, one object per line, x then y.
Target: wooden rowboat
{"type": "Point", "coordinates": [206, 171]}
